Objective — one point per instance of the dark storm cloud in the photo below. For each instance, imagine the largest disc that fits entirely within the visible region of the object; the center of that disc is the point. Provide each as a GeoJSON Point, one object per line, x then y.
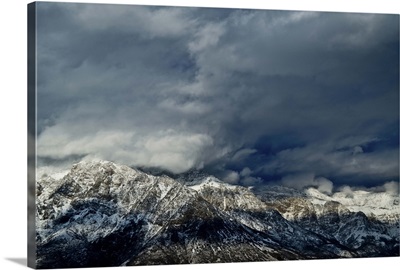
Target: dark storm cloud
{"type": "Point", "coordinates": [252, 96]}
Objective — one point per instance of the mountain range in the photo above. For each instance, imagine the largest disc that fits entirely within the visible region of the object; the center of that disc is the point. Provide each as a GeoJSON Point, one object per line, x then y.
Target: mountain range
{"type": "Point", "coordinates": [103, 214]}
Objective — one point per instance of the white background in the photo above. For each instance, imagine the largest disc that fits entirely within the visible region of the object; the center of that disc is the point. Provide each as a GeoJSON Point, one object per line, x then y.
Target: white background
{"type": "Point", "coordinates": [13, 127]}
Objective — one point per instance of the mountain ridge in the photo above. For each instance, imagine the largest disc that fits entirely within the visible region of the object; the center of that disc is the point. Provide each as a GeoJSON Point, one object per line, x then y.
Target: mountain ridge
{"type": "Point", "coordinates": [117, 215]}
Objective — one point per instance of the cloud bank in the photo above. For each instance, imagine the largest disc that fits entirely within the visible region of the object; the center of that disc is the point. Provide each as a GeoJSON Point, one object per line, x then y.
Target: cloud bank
{"type": "Point", "coordinates": [251, 96]}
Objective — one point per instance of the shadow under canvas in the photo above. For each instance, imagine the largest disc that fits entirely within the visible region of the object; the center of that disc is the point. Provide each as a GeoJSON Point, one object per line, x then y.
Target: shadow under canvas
{"type": "Point", "coordinates": [20, 261]}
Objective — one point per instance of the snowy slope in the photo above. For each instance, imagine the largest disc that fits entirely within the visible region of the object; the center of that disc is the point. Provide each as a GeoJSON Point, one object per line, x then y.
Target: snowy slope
{"type": "Point", "coordinates": [103, 214]}
{"type": "Point", "coordinates": [380, 205]}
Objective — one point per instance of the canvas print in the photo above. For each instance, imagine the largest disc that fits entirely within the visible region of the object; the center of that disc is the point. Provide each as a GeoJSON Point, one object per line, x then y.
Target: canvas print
{"type": "Point", "coordinates": [184, 135]}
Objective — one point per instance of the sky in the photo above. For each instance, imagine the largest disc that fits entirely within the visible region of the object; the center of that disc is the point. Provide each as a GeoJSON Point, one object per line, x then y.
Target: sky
{"type": "Point", "coordinates": [251, 96]}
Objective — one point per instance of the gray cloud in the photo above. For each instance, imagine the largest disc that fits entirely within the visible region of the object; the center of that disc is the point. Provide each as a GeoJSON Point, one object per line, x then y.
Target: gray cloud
{"type": "Point", "coordinates": [338, 161]}
{"type": "Point", "coordinates": [279, 93]}
{"type": "Point", "coordinates": [231, 177]}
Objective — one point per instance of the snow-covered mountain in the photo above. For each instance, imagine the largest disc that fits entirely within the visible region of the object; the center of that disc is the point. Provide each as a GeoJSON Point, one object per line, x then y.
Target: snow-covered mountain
{"type": "Point", "coordinates": [104, 214]}
{"type": "Point", "coordinates": [381, 206]}
{"type": "Point", "coordinates": [363, 222]}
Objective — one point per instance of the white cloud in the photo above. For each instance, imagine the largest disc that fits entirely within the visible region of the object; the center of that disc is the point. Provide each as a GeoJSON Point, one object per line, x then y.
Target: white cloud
{"type": "Point", "coordinates": [166, 149]}
{"type": "Point", "coordinates": [303, 180]}
{"type": "Point", "coordinates": [243, 153]}
{"type": "Point", "coordinates": [357, 150]}
{"type": "Point", "coordinates": [148, 21]}
{"type": "Point", "coordinates": [245, 172]}
{"type": "Point", "coordinates": [392, 187]}
{"type": "Point", "coordinates": [190, 107]}
{"type": "Point", "coordinates": [347, 190]}
{"type": "Point", "coordinates": [176, 152]}
{"type": "Point", "coordinates": [231, 177]}
{"type": "Point", "coordinates": [292, 18]}
{"type": "Point", "coordinates": [59, 142]}
{"type": "Point", "coordinates": [247, 179]}
{"type": "Point", "coordinates": [207, 37]}
{"type": "Point", "coordinates": [324, 185]}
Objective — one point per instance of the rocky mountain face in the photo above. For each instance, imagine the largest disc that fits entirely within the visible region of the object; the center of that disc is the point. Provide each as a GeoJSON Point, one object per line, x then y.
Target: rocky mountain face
{"type": "Point", "coordinates": [104, 214]}
{"type": "Point", "coordinates": [369, 230]}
